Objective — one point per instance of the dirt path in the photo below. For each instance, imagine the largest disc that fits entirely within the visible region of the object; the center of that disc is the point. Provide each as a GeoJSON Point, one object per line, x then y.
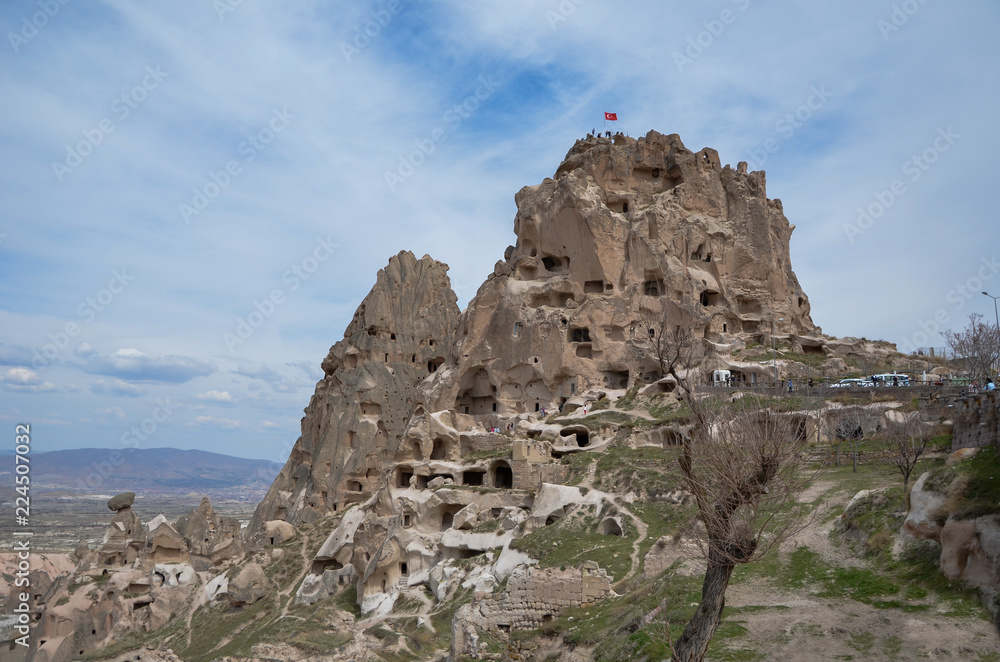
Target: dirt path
{"type": "Point", "coordinates": [306, 565]}
{"type": "Point", "coordinates": [803, 626]}
{"type": "Point", "coordinates": [588, 480]}
{"type": "Point", "coordinates": [636, 544]}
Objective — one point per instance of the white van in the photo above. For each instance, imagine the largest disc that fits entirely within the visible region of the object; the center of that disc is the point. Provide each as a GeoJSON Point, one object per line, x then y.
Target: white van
{"type": "Point", "coordinates": [721, 377]}
{"type": "Point", "coordinates": [891, 379]}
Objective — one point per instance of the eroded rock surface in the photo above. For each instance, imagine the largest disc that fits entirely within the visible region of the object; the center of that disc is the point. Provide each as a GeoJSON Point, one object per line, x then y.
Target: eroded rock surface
{"type": "Point", "coordinates": [354, 423]}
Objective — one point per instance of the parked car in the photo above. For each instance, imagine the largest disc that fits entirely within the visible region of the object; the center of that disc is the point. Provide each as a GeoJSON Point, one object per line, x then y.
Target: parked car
{"type": "Point", "coordinates": [855, 382]}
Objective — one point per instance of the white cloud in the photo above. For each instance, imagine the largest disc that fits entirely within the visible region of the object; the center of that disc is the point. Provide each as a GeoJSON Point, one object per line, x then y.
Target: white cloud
{"type": "Point", "coordinates": [116, 387]}
{"type": "Point", "coordinates": [26, 380]}
{"type": "Point", "coordinates": [117, 412]}
{"type": "Point", "coordinates": [225, 423]}
{"type": "Point", "coordinates": [216, 396]}
{"type": "Point", "coordinates": [195, 282]}
{"type": "Point", "coordinates": [135, 365]}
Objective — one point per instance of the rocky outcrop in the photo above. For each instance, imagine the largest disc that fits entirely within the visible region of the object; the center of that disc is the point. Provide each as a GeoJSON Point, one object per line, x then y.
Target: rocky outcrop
{"type": "Point", "coordinates": [970, 546]}
{"type": "Point", "coordinates": [248, 585]}
{"type": "Point", "coordinates": [125, 536]}
{"type": "Point", "coordinates": [211, 539]}
{"type": "Point", "coordinates": [626, 231]}
{"type": "Point", "coordinates": [401, 332]}
{"type": "Point", "coordinates": [139, 579]}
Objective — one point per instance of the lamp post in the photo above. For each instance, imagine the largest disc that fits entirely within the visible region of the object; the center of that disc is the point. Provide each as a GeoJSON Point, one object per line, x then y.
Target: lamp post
{"type": "Point", "coordinates": [995, 316]}
{"type": "Point", "coordinates": [774, 350]}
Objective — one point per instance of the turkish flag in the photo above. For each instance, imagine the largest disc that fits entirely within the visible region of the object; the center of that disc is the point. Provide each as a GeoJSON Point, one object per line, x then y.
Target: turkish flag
{"type": "Point", "coordinates": [611, 117]}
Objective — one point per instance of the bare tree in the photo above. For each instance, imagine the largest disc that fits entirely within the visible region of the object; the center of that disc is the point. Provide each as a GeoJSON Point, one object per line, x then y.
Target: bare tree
{"type": "Point", "coordinates": [673, 346]}
{"type": "Point", "coordinates": [976, 347]}
{"type": "Point", "coordinates": [852, 424]}
{"type": "Point", "coordinates": [741, 463]}
{"type": "Point", "coordinates": [905, 442]}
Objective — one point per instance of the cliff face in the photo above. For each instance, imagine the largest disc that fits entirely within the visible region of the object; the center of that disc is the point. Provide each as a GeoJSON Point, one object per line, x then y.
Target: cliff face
{"type": "Point", "coordinates": [627, 229]}
{"type": "Point", "coordinates": [400, 333]}
{"type": "Point", "coordinates": [420, 403]}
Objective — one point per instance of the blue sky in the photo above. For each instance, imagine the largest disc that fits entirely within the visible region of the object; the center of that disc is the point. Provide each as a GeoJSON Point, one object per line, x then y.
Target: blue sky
{"type": "Point", "coordinates": [171, 169]}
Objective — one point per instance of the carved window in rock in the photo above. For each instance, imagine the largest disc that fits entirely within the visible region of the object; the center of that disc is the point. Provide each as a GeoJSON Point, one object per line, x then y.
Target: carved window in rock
{"type": "Point", "coordinates": [440, 450]}
{"type": "Point", "coordinates": [653, 286]}
{"type": "Point", "coordinates": [502, 475]}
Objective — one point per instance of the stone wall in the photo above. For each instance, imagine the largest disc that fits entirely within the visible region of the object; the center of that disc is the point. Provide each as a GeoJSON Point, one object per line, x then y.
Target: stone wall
{"type": "Point", "coordinates": [535, 596]}
{"type": "Point", "coordinates": [976, 420]}
{"type": "Point", "coordinates": [527, 475]}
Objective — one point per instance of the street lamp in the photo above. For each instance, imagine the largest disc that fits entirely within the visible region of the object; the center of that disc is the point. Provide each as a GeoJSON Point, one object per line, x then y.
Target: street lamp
{"type": "Point", "coordinates": [995, 316]}
{"type": "Point", "coordinates": [774, 350]}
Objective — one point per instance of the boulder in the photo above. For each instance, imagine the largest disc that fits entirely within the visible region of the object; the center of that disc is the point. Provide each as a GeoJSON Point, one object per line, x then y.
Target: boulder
{"type": "Point", "coordinates": [467, 517]}
{"type": "Point", "coordinates": [123, 500]}
{"type": "Point", "coordinates": [927, 514]}
{"type": "Point", "coordinates": [277, 531]}
{"type": "Point", "coordinates": [248, 585]}
{"type": "Point", "coordinates": [970, 550]}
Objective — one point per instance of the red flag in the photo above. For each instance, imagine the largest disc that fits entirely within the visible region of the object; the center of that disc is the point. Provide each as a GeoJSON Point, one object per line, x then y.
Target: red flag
{"type": "Point", "coordinates": [611, 117]}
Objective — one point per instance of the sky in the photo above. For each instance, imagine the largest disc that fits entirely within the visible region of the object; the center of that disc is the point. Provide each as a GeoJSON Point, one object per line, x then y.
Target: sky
{"type": "Point", "coordinates": [195, 196]}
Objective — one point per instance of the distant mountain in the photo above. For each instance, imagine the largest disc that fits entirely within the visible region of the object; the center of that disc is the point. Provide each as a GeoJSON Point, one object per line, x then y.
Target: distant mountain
{"type": "Point", "coordinates": [165, 470]}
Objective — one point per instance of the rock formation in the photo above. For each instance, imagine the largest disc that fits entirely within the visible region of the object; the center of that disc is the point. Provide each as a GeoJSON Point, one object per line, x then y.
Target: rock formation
{"type": "Point", "coordinates": [627, 230]}
{"type": "Point", "coordinates": [125, 535]}
{"type": "Point", "coordinates": [353, 425]}
{"type": "Point", "coordinates": [970, 546]}
{"type": "Point", "coordinates": [136, 581]}
{"type": "Point", "coordinates": [438, 440]}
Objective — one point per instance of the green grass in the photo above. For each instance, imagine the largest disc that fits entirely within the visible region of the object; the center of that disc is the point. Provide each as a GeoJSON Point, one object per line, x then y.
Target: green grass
{"type": "Point", "coordinates": [575, 539]}
{"type": "Point", "coordinates": [600, 420]}
{"type": "Point", "coordinates": [614, 625]}
{"type": "Point", "coordinates": [862, 642]}
{"type": "Point", "coordinates": [661, 519]}
{"type": "Point", "coordinates": [646, 471]}
{"type": "Point", "coordinates": [981, 495]}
